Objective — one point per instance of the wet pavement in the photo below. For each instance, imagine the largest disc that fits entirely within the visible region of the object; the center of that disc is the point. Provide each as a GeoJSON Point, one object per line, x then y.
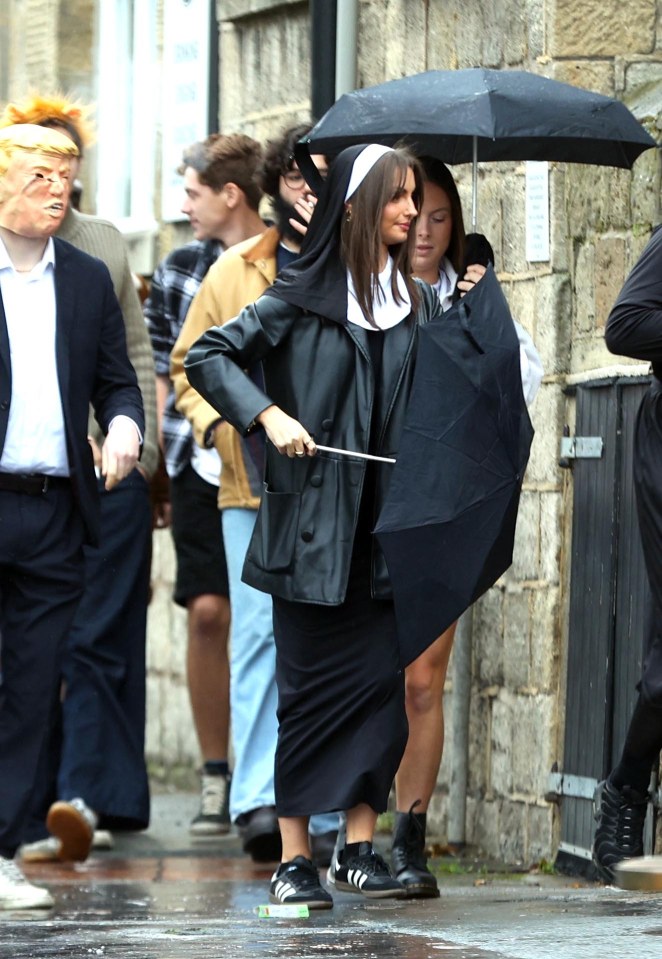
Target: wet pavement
{"type": "Point", "coordinates": [161, 895]}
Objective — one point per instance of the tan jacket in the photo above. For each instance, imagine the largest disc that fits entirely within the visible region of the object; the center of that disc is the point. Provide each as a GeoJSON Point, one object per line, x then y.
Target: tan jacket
{"type": "Point", "coordinates": [239, 277]}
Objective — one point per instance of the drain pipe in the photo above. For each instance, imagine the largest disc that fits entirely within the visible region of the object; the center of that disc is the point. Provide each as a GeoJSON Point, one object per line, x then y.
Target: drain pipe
{"type": "Point", "coordinates": [346, 42]}
{"type": "Point", "coordinates": [457, 800]}
{"type": "Point", "coordinates": [322, 56]}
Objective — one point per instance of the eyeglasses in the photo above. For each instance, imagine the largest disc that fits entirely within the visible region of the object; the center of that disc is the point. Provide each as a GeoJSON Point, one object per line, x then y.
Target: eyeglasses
{"type": "Point", "coordinates": [295, 179]}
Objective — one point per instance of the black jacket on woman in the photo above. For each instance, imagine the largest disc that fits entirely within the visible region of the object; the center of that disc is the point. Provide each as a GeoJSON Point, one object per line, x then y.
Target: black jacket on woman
{"type": "Point", "coordinates": [320, 372]}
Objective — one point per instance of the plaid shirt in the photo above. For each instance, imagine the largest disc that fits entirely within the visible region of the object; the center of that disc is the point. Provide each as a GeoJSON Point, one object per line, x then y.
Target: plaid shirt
{"type": "Point", "coordinates": [176, 281]}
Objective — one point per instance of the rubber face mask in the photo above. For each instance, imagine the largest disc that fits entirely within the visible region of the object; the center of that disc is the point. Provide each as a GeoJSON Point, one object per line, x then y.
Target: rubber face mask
{"type": "Point", "coordinates": [34, 193]}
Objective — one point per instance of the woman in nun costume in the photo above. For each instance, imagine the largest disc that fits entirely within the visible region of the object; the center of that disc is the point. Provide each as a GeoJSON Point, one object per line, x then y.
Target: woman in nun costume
{"type": "Point", "coordinates": [336, 338]}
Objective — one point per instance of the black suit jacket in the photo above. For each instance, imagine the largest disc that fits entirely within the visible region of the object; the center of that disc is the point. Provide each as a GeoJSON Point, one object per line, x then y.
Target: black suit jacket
{"type": "Point", "coordinates": [92, 367]}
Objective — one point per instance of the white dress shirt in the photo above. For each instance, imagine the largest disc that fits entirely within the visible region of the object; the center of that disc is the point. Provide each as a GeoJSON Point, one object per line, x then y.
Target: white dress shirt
{"type": "Point", "coordinates": [35, 441]}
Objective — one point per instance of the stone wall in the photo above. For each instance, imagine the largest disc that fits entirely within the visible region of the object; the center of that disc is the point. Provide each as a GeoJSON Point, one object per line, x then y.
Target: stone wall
{"type": "Point", "coordinates": [600, 220]}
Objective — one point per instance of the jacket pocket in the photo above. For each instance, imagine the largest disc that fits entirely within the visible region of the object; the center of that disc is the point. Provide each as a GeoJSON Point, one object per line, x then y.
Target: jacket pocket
{"type": "Point", "coordinates": [272, 545]}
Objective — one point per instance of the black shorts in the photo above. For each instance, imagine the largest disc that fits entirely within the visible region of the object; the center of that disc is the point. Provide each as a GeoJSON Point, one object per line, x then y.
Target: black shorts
{"type": "Point", "coordinates": [196, 531]}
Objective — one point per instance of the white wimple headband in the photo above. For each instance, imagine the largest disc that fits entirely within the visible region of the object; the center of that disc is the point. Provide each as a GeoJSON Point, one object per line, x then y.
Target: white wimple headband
{"type": "Point", "coordinates": [363, 164]}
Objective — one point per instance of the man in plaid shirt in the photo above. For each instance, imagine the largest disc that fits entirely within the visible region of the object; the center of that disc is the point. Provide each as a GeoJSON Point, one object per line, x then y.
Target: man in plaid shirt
{"type": "Point", "coordinates": [221, 203]}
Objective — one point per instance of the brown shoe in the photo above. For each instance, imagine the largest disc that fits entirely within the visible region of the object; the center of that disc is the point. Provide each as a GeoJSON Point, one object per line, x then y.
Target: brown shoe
{"type": "Point", "coordinates": [73, 824]}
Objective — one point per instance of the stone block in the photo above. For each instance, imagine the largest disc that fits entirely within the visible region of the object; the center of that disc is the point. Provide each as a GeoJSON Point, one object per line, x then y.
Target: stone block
{"type": "Point", "coordinates": [552, 318]}
{"type": "Point", "coordinates": [479, 743]}
{"type": "Point", "coordinates": [526, 554]}
{"type": "Point", "coordinates": [531, 729]}
{"type": "Point", "coordinates": [483, 825]}
{"type": "Point", "coordinates": [512, 833]}
{"type": "Point", "coordinates": [594, 75]}
{"type": "Point", "coordinates": [517, 619]}
{"type": "Point", "coordinates": [601, 28]}
{"type": "Point", "coordinates": [487, 635]}
{"type": "Point", "coordinates": [584, 288]}
{"type": "Point", "coordinates": [551, 507]}
{"type": "Point", "coordinates": [391, 40]}
{"type": "Point", "coordinates": [487, 43]}
{"type": "Point", "coordinates": [609, 274]}
{"type": "Point", "coordinates": [502, 738]}
{"type": "Point", "coordinates": [545, 639]}
{"type": "Point", "coordinates": [540, 834]}
{"type": "Point", "coordinates": [547, 412]}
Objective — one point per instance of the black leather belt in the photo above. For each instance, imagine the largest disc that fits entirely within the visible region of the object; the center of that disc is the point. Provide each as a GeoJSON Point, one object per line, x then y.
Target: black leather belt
{"type": "Point", "coordinates": [34, 484]}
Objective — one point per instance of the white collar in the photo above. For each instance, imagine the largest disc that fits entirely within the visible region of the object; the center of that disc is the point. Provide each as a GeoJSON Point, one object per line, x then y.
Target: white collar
{"type": "Point", "coordinates": [386, 311]}
{"type": "Point", "coordinates": [47, 259]}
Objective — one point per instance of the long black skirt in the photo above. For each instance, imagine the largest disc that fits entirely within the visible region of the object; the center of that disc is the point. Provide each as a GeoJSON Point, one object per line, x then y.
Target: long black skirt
{"type": "Point", "coordinates": [341, 705]}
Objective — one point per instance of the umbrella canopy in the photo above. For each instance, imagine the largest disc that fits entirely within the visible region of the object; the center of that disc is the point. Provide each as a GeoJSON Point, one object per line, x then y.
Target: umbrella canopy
{"type": "Point", "coordinates": [448, 524]}
{"type": "Point", "coordinates": [510, 114]}
{"type": "Point", "coordinates": [463, 116]}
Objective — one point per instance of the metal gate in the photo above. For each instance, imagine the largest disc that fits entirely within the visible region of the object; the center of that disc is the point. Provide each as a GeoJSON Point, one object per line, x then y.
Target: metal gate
{"type": "Point", "coordinates": [608, 594]}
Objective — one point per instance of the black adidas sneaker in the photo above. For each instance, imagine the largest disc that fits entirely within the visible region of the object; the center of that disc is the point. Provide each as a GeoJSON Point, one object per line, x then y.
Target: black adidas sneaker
{"type": "Point", "coordinates": [365, 872]}
{"type": "Point", "coordinates": [297, 883]}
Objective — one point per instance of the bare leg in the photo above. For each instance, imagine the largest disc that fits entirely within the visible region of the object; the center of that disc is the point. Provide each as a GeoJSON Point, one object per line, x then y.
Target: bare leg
{"type": "Point", "coordinates": [294, 833]}
{"type": "Point", "coordinates": [209, 673]}
{"type": "Point", "coordinates": [424, 689]}
{"type": "Point", "coordinates": [361, 821]}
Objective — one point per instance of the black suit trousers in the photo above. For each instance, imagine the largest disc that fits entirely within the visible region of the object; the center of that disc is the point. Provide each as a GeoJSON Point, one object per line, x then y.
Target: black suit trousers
{"type": "Point", "coordinates": [41, 582]}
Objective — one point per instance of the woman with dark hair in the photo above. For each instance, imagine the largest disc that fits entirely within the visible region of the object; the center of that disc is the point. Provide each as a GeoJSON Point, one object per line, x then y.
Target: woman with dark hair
{"type": "Point", "coordinates": [441, 252]}
{"type": "Point", "coordinates": [336, 335]}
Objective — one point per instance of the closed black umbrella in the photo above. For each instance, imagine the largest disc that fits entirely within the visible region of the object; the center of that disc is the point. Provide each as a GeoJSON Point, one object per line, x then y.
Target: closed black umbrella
{"type": "Point", "coordinates": [472, 115]}
{"type": "Point", "coordinates": [448, 524]}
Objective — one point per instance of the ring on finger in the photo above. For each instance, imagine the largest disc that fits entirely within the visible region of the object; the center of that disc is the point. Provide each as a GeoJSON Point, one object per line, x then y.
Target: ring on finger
{"type": "Point", "coordinates": [299, 453]}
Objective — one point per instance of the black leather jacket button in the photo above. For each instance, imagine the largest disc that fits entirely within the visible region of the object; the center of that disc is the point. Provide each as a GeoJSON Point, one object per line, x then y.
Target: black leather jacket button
{"type": "Point", "coordinates": [306, 535]}
{"type": "Point", "coordinates": [326, 425]}
{"type": "Point", "coordinates": [316, 480]}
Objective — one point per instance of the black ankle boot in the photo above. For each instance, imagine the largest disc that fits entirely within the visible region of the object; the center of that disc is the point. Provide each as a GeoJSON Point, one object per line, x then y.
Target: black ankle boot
{"type": "Point", "coordinates": [408, 855]}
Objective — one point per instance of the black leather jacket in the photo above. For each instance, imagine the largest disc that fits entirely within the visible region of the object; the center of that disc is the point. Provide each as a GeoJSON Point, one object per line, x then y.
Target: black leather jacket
{"type": "Point", "coordinates": [320, 373]}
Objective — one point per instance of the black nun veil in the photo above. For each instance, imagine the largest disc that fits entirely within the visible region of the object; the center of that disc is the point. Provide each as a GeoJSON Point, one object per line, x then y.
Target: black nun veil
{"type": "Point", "coordinates": [317, 280]}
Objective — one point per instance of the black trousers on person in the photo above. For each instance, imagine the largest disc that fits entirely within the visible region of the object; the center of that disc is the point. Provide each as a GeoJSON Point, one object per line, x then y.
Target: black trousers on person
{"type": "Point", "coordinates": [41, 582]}
{"type": "Point", "coordinates": [648, 486]}
{"type": "Point", "coordinates": [96, 748]}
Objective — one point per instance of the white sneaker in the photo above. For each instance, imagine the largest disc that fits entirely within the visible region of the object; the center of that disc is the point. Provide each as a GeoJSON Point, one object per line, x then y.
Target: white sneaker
{"type": "Point", "coordinates": [213, 819]}
{"type": "Point", "coordinates": [17, 893]}
{"type": "Point", "coordinates": [42, 850]}
{"type": "Point", "coordinates": [102, 839]}
{"type": "Point", "coordinates": [50, 849]}
{"type": "Point", "coordinates": [73, 823]}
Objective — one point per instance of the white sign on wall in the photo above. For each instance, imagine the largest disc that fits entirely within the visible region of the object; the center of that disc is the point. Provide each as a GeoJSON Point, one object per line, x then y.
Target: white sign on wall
{"type": "Point", "coordinates": [537, 211]}
{"type": "Point", "coordinates": [185, 92]}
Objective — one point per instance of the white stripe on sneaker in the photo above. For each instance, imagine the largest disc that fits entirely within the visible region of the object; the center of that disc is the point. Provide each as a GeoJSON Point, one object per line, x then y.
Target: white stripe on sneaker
{"type": "Point", "coordinates": [284, 890]}
{"type": "Point", "coordinates": [356, 877]}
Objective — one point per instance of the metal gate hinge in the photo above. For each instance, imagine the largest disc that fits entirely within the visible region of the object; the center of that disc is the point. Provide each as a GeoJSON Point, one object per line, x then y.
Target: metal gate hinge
{"type": "Point", "coordinates": [561, 784]}
{"type": "Point", "coordinates": [580, 447]}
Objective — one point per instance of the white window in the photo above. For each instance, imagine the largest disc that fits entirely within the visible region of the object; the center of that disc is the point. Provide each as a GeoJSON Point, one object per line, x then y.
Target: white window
{"type": "Point", "coordinates": [127, 115]}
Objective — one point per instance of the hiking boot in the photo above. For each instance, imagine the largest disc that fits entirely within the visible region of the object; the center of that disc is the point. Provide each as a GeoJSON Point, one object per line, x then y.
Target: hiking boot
{"type": "Point", "coordinates": [297, 883]}
{"type": "Point", "coordinates": [213, 819]}
{"type": "Point", "coordinates": [365, 872]}
{"type": "Point", "coordinates": [408, 857]}
{"type": "Point", "coordinates": [620, 814]}
{"type": "Point", "coordinates": [17, 893]}
{"type": "Point", "coordinates": [73, 823]}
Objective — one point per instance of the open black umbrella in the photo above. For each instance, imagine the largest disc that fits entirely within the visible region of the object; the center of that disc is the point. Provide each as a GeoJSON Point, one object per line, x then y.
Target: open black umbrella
{"type": "Point", "coordinates": [448, 524]}
{"type": "Point", "coordinates": [463, 116]}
